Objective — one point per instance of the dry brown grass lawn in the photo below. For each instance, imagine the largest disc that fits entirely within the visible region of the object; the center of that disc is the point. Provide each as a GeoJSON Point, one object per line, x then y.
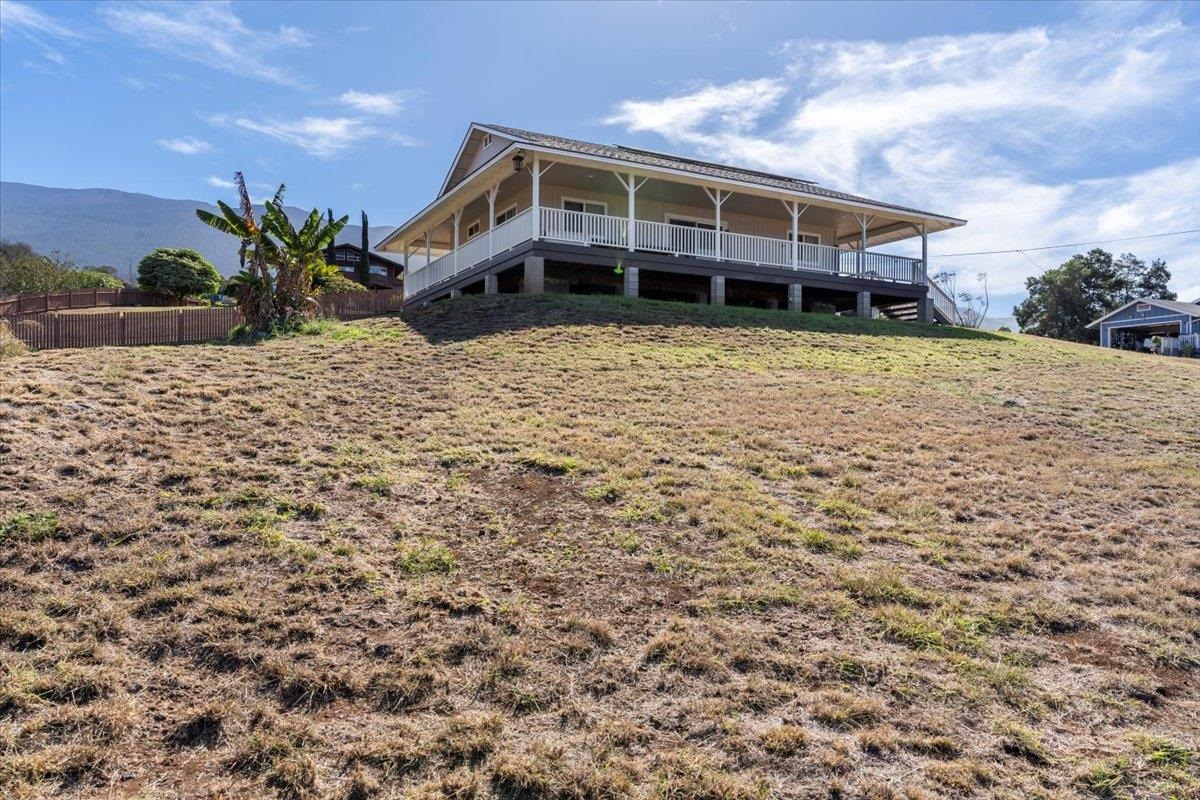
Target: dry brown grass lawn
{"type": "Point", "coordinates": [572, 548]}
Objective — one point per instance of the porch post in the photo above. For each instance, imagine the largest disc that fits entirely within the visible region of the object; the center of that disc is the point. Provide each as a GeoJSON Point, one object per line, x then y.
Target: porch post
{"type": "Point", "coordinates": [631, 184]}
{"type": "Point", "coordinates": [455, 219]}
{"type": "Point", "coordinates": [536, 172]}
{"type": "Point", "coordinates": [795, 235]}
{"type": "Point", "coordinates": [862, 246]}
{"type": "Point", "coordinates": [427, 250]}
{"type": "Point", "coordinates": [924, 255]}
{"type": "Point", "coordinates": [718, 200]}
{"type": "Point", "coordinates": [794, 211]}
{"type": "Point", "coordinates": [491, 198]}
{"type": "Point", "coordinates": [405, 246]}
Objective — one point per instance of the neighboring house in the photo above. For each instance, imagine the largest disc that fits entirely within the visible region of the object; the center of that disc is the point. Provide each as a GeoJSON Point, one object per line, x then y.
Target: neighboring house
{"type": "Point", "coordinates": [385, 273]}
{"type": "Point", "coordinates": [528, 212]}
{"type": "Point", "coordinates": [1132, 325]}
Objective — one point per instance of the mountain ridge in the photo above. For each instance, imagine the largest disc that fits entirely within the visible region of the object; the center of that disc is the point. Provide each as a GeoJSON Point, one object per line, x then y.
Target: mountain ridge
{"type": "Point", "coordinates": [98, 226]}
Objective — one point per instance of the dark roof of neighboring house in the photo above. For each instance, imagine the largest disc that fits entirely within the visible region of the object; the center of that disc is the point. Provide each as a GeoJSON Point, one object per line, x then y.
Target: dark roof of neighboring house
{"type": "Point", "coordinates": [651, 158]}
{"type": "Point", "coordinates": [374, 255]}
{"type": "Point", "coordinates": [1176, 306]}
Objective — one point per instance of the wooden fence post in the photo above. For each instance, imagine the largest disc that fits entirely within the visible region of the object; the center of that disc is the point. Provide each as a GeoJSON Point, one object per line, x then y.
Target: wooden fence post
{"type": "Point", "coordinates": [179, 327]}
{"type": "Point", "coordinates": [121, 327]}
{"type": "Point", "coordinates": [54, 339]}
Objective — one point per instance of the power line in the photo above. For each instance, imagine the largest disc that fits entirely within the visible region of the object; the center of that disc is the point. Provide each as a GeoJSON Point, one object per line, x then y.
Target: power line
{"type": "Point", "coordinates": [1080, 205]}
{"type": "Point", "coordinates": [1061, 246]}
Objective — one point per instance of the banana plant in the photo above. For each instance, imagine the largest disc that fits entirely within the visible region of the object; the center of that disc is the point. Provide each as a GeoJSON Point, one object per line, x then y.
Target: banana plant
{"type": "Point", "coordinates": [278, 262]}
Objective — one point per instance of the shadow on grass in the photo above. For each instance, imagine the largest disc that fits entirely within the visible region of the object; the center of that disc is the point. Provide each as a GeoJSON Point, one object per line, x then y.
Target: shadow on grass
{"type": "Point", "coordinates": [470, 317]}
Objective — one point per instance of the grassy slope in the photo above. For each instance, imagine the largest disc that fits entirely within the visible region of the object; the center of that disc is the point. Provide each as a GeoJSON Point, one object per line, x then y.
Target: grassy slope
{"type": "Point", "coordinates": [540, 547]}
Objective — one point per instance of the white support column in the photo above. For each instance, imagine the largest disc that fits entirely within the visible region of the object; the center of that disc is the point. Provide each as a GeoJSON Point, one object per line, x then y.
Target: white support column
{"type": "Point", "coordinates": [864, 221]}
{"type": "Point", "coordinates": [536, 172]}
{"type": "Point", "coordinates": [455, 219]}
{"type": "Point", "coordinates": [718, 199]}
{"type": "Point", "coordinates": [924, 254]}
{"type": "Point", "coordinates": [491, 198]}
{"type": "Point", "coordinates": [631, 184]}
{"type": "Point", "coordinates": [428, 251]}
{"type": "Point", "coordinates": [404, 245]}
{"type": "Point", "coordinates": [794, 211]}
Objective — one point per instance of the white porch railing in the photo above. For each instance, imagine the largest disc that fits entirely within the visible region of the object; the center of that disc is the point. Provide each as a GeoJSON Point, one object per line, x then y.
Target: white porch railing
{"type": "Point", "coordinates": [581, 228]}
{"type": "Point", "coordinates": [944, 303]}
{"type": "Point", "coordinates": [603, 230]}
{"type": "Point", "coordinates": [503, 237]}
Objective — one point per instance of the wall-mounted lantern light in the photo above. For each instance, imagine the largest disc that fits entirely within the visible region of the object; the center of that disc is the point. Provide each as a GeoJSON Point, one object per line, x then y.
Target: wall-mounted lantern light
{"type": "Point", "coordinates": [518, 161]}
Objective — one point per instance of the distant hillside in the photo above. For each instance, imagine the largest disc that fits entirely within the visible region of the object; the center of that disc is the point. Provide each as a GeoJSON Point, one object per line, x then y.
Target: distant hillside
{"type": "Point", "coordinates": [104, 226]}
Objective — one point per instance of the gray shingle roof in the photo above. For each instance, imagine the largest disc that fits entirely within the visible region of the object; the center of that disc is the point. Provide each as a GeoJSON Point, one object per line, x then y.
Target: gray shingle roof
{"type": "Point", "coordinates": [1175, 305]}
{"type": "Point", "coordinates": [1191, 309]}
{"type": "Point", "coordinates": [652, 159]}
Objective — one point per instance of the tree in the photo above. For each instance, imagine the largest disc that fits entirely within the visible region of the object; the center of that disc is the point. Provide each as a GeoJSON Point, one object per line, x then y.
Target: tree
{"type": "Point", "coordinates": [1153, 282]}
{"type": "Point", "coordinates": [974, 307]}
{"type": "Point", "coordinates": [1063, 300]}
{"type": "Point", "coordinates": [364, 264]}
{"type": "Point", "coordinates": [93, 279]}
{"type": "Point", "coordinates": [23, 270]}
{"type": "Point", "coordinates": [178, 272]}
{"type": "Point", "coordinates": [275, 285]}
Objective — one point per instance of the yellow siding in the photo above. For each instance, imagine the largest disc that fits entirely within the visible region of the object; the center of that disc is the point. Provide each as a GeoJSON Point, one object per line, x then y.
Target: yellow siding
{"type": "Point", "coordinates": [652, 210]}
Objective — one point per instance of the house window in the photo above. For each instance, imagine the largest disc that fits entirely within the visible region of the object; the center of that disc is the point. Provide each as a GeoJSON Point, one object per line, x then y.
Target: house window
{"type": "Point", "coordinates": [473, 229]}
{"type": "Point", "coordinates": [585, 206]}
{"type": "Point", "coordinates": [505, 215]}
{"type": "Point", "coordinates": [807, 238]}
{"type": "Point", "coordinates": [487, 141]}
{"type": "Point", "coordinates": [692, 222]}
{"type": "Point", "coordinates": [1142, 308]}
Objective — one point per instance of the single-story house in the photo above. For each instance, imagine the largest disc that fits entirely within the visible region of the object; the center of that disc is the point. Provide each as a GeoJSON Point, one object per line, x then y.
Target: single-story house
{"type": "Point", "coordinates": [385, 273]}
{"type": "Point", "coordinates": [1135, 324]}
{"type": "Point", "coordinates": [521, 211]}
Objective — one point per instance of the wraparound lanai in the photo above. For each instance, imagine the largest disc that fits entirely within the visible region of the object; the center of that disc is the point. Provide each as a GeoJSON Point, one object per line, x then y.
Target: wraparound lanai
{"type": "Point", "coordinates": [522, 211]}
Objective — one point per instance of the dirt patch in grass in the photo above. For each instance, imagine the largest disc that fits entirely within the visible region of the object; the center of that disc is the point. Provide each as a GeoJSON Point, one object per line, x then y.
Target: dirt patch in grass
{"type": "Point", "coordinates": [570, 547]}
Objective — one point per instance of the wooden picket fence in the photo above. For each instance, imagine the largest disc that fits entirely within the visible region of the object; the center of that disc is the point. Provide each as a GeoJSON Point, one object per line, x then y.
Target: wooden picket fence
{"type": "Point", "coordinates": [37, 302]}
{"type": "Point", "coordinates": [50, 330]}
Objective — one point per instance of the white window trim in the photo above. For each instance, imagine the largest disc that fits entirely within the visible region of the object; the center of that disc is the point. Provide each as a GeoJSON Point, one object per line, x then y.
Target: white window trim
{"type": "Point", "coordinates": [803, 232]}
{"type": "Point", "coordinates": [467, 229]}
{"type": "Point", "coordinates": [512, 208]}
{"type": "Point", "coordinates": [488, 140]}
{"type": "Point", "coordinates": [1142, 308]}
{"type": "Point", "coordinates": [564, 200]}
{"type": "Point", "coordinates": [667, 217]}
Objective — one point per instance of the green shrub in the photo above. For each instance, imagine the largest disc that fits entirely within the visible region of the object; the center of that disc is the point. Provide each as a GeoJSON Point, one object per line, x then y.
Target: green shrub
{"type": "Point", "coordinates": [420, 556]}
{"type": "Point", "coordinates": [337, 283]}
{"type": "Point", "coordinates": [32, 528]}
{"type": "Point", "coordinates": [178, 272]}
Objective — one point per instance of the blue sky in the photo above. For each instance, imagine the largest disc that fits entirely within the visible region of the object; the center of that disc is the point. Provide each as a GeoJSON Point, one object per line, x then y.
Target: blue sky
{"type": "Point", "coordinates": [1041, 123]}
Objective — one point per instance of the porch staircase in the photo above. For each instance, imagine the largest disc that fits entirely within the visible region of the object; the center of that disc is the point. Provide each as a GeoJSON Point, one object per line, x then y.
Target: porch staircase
{"type": "Point", "coordinates": [945, 310]}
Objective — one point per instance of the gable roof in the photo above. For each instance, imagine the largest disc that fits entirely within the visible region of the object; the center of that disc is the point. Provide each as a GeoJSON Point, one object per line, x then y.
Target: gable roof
{"type": "Point", "coordinates": [375, 255]}
{"type": "Point", "coordinates": [651, 158]}
{"type": "Point", "coordinates": [1174, 306]}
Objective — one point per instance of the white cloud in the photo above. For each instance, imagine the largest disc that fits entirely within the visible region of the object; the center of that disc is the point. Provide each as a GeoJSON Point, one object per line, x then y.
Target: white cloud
{"type": "Point", "coordinates": [994, 127]}
{"type": "Point", "coordinates": [210, 34]}
{"type": "Point", "coordinates": [29, 21]}
{"type": "Point", "coordinates": [187, 145]}
{"type": "Point", "coordinates": [220, 183]}
{"type": "Point", "coordinates": [735, 107]}
{"type": "Point", "coordinates": [323, 137]}
{"type": "Point", "coordinates": [383, 103]}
